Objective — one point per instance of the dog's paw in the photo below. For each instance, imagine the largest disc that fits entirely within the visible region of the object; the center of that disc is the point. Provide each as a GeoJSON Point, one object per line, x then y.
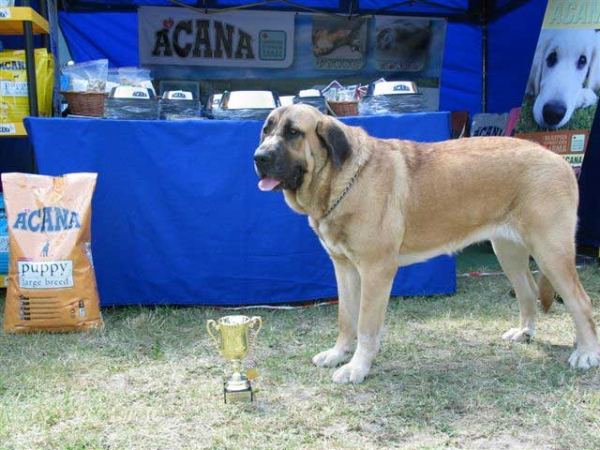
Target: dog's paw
{"type": "Point", "coordinates": [587, 97]}
{"type": "Point", "coordinates": [350, 373]}
{"type": "Point", "coordinates": [583, 358]}
{"type": "Point", "coordinates": [523, 335]}
{"type": "Point", "coordinates": [329, 358]}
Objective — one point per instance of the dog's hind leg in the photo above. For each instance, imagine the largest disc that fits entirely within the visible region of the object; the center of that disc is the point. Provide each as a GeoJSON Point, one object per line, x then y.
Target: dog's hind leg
{"type": "Point", "coordinates": [348, 282]}
{"type": "Point", "coordinates": [514, 260]}
{"type": "Point", "coordinates": [556, 258]}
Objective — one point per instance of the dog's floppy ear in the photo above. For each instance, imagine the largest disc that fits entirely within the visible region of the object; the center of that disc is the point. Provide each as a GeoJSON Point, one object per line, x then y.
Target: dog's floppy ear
{"type": "Point", "coordinates": [593, 78]}
{"type": "Point", "coordinates": [535, 75]}
{"type": "Point", "coordinates": [335, 140]}
{"type": "Point", "coordinates": [264, 131]}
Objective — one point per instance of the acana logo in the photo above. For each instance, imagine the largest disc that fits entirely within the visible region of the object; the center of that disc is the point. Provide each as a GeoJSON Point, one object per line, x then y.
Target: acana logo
{"type": "Point", "coordinates": [13, 65]}
{"type": "Point", "coordinates": [202, 38]}
{"type": "Point", "coordinates": [48, 218]}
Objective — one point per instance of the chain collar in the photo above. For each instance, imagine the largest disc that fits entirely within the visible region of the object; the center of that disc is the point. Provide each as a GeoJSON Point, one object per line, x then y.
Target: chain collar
{"type": "Point", "coordinates": [343, 194]}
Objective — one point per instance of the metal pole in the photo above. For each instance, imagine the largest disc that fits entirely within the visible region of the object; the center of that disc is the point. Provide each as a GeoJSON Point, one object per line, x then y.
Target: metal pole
{"type": "Point", "coordinates": [484, 55]}
{"type": "Point", "coordinates": [30, 65]}
{"type": "Point", "coordinates": [44, 14]}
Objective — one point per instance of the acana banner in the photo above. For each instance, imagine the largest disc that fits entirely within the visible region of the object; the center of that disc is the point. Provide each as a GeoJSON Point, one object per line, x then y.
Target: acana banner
{"type": "Point", "coordinates": [179, 36]}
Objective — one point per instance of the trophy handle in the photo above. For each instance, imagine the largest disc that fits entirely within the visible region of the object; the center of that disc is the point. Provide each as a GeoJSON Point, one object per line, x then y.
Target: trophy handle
{"type": "Point", "coordinates": [216, 327]}
{"type": "Point", "coordinates": [254, 320]}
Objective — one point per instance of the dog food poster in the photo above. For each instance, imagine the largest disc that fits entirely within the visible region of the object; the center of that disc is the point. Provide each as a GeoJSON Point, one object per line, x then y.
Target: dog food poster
{"type": "Point", "coordinates": [339, 44]}
{"type": "Point", "coordinates": [402, 44]}
{"type": "Point", "coordinates": [562, 90]}
{"type": "Point", "coordinates": [289, 52]}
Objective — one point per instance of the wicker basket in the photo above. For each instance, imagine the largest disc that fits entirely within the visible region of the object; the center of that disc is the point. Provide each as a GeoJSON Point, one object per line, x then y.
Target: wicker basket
{"type": "Point", "coordinates": [341, 109]}
{"type": "Point", "coordinates": [86, 103]}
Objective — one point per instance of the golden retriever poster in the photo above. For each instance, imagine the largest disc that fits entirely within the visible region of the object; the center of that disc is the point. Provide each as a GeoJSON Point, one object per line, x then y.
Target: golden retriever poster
{"type": "Point", "coordinates": [564, 82]}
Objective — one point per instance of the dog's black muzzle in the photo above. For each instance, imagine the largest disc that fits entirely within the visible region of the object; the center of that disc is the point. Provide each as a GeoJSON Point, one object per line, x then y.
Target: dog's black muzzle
{"type": "Point", "coordinates": [263, 161]}
{"type": "Point", "coordinates": [277, 164]}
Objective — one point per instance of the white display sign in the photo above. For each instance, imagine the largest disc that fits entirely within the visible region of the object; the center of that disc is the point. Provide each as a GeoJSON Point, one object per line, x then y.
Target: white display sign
{"type": "Point", "coordinates": [45, 274]}
{"type": "Point", "coordinates": [180, 36]}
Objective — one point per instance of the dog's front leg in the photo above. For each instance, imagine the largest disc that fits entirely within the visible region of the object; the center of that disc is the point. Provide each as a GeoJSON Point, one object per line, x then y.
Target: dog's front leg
{"type": "Point", "coordinates": [348, 282]}
{"type": "Point", "coordinates": [376, 286]}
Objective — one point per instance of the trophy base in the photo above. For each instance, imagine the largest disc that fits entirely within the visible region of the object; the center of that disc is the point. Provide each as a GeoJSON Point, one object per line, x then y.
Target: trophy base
{"type": "Point", "coordinates": [245, 395]}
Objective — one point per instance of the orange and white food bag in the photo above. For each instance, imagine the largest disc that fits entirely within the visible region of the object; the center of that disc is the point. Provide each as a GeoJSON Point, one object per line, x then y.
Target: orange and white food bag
{"type": "Point", "coordinates": [51, 280]}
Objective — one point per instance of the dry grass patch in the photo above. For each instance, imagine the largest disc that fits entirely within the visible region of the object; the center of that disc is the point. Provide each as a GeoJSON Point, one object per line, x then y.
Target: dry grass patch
{"type": "Point", "coordinates": [444, 379]}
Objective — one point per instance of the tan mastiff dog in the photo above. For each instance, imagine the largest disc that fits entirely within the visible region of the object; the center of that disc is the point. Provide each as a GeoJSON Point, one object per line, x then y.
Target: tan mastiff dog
{"type": "Point", "coordinates": [377, 204]}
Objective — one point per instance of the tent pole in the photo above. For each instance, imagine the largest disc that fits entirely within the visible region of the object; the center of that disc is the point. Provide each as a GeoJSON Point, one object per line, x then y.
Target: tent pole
{"type": "Point", "coordinates": [484, 55]}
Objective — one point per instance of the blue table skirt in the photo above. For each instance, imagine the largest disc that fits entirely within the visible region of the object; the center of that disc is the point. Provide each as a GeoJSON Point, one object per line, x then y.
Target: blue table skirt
{"type": "Point", "coordinates": [178, 217]}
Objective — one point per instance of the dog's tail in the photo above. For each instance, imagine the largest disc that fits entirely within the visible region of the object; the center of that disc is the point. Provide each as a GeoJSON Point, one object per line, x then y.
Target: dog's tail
{"type": "Point", "coordinates": [546, 292]}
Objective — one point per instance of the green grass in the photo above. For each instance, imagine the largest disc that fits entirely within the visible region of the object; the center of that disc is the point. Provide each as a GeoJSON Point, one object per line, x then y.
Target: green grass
{"type": "Point", "coordinates": [582, 118]}
{"type": "Point", "coordinates": [444, 379]}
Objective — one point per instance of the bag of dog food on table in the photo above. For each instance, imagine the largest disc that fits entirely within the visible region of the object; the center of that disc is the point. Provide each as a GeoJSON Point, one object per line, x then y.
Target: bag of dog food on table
{"type": "Point", "coordinates": [51, 279]}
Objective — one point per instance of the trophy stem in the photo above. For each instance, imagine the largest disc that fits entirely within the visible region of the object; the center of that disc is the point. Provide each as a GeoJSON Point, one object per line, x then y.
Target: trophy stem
{"type": "Point", "coordinates": [237, 381]}
{"type": "Point", "coordinates": [237, 387]}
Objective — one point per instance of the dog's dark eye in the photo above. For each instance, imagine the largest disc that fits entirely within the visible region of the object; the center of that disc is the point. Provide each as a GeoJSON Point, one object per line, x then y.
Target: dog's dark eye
{"type": "Point", "coordinates": [293, 132]}
{"type": "Point", "coordinates": [582, 62]}
{"type": "Point", "coordinates": [552, 59]}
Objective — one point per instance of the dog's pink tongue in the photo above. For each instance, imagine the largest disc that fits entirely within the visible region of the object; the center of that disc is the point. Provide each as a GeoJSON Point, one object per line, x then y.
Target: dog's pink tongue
{"type": "Point", "coordinates": [268, 184]}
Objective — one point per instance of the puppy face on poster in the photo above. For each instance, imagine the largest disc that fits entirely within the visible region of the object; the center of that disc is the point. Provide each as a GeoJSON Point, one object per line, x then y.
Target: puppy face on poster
{"type": "Point", "coordinates": [565, 75]}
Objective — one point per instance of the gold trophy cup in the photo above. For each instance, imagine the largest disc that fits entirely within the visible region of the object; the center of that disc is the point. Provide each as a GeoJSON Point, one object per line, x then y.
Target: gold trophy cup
{"type": "Point", "coordinates": [234, 345]}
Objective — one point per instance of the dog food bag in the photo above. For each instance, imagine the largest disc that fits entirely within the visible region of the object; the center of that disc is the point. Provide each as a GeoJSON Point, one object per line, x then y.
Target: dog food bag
{"type": "Point", "coordinates": [14, 94]}
{"type": "Point", "coordinates": [51, 280]}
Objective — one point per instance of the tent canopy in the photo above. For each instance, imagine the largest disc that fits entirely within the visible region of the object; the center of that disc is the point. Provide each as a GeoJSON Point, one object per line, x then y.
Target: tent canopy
{"type": "Point", "coordinates": [483, 70]}
{"type": "Point", "coordinates": [477, 10]}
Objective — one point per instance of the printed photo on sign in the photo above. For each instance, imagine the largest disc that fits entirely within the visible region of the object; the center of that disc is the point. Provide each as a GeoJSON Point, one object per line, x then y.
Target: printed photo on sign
{"type": "Point", "coordinates": [402, 44]}
{"type": "Point", "coordinates": [316, 50]}
{"type": "Point", "coordinates": [563, 84]}
{"type": "Point", "coordinates": [562, 91]}
{"type": "Point", "coordinates": [339, 44]}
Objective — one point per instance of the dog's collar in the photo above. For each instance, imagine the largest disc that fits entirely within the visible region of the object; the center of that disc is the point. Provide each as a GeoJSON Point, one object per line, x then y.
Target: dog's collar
{"type": "Point", "coordinates": [343, 193]}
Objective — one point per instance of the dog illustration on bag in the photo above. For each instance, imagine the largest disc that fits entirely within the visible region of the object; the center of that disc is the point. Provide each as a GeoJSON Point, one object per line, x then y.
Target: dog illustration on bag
{"type": "Point", "coordinates": [45, 249]}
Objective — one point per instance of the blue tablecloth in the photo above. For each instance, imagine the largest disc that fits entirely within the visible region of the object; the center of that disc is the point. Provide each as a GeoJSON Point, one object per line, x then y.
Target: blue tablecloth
{"type": "Point", "coordinates": [178, 217]}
